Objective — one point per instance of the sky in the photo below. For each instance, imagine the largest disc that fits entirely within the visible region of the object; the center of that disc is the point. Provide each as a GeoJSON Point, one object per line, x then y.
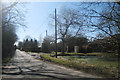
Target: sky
{"type": "Point", "coordinates": [37, 19]}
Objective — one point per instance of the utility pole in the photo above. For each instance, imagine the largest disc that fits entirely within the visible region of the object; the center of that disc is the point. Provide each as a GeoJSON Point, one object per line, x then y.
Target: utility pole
{"type": "Point", "coordinates": [46, 32]}
{"type": "Point", "coordinates": [55, 34]}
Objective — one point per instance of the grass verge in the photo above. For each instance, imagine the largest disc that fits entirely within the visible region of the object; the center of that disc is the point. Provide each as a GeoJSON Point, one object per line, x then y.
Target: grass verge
{"type": "Point", "coordinates": [103, 71]}
{"type": "Point", "coordinates": [80, 54]}
{"type": "Point", "coordinates": [86, 54]}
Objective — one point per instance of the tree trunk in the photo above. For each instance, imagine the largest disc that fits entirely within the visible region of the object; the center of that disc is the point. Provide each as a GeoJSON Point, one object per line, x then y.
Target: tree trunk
{"type": "Point", "coordinates": [63, 46]}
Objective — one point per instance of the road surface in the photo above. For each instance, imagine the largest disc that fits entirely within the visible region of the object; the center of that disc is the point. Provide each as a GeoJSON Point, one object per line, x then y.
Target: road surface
{"type": "Point", "coordinates": [23, 65]}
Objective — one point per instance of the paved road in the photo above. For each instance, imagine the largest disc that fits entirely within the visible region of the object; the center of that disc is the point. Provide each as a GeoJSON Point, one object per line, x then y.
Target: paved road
{"type": "Point", "coordinates": [23, 65]}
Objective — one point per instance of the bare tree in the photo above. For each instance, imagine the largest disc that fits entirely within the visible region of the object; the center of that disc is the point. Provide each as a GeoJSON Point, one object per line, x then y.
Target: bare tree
{"type": "Point", "coordinates": [69, 21]}
{"type": "Point", "coordinates": [103, 17]}
{"type": "Point", "coordinates": [11, 19]}
{"type": "Point", "coordinates": [13, 13]}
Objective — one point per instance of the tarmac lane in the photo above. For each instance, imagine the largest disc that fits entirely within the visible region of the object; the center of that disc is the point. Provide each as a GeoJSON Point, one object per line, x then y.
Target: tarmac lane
{"type": "Point", "coordinates": [23, 65]}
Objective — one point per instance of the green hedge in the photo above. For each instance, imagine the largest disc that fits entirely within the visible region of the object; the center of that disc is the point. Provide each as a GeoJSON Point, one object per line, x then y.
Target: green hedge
{"type": "Point", "coordinates": [103, 71]}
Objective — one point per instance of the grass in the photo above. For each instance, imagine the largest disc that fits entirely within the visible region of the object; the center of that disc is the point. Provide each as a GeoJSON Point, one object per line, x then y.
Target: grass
{"type": "Point", "coordinates": [53, 52]}
{"type": "Point", "coordinates": [104, 68]}
{"type": "Point", "coordinates": [86, 54]}
{"type": "Point", "coordinates": [29, 52]}
{"type": "Point", "coordinates": [93, 61]}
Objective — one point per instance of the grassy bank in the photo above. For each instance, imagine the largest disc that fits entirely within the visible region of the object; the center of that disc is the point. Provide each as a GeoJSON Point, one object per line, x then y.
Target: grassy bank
{"type": "Point", "coordinates": [80, 54]}
{"type": "Point", "coordinates": [86, 54]}
{"type": "Point", "coordinates": [90, 68]}
{"type": "Point", "coordinates": [107, 56]}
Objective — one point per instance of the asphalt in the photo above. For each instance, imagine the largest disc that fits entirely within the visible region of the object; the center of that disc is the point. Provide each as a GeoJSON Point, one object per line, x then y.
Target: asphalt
{"type": "Point", "coordinates": [25, 65]}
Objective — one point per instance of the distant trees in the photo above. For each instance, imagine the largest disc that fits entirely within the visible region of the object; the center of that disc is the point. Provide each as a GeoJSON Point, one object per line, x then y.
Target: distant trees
{"type": "Point", "coordinates": [76, 41]}
{"type": "Point", "coordinates": [47, 44]}
{"type": "Point", "coordinates": [106, 45]}
{"type": "Point", "coordinates": [20, 45]}
{"type": "Point", "coordinates": [29, 45]}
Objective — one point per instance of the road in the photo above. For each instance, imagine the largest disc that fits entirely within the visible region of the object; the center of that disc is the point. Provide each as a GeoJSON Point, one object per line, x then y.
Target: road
{"type": "Point", "coordinates": [23, 65]}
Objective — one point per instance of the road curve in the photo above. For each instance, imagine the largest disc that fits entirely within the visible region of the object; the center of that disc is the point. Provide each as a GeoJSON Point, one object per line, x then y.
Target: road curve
{"type": "Point", "coordinates": [23, 65]}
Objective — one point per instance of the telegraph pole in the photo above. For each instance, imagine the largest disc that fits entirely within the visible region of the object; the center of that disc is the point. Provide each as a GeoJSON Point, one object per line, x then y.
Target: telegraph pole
{"type": "Point", "coordinates": [46, 32]}
{"type": "Point", "coordinates": [55, 34]}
